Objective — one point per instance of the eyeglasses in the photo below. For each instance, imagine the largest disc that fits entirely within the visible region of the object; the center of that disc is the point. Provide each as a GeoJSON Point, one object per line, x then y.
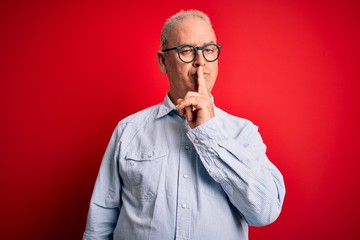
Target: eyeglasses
{"type": "Point", "coordinates": [187, 53]}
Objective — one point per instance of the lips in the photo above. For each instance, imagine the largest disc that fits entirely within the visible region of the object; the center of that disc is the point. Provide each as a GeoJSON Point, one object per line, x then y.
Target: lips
{"type": "Point", "coordinates": [196, 76]}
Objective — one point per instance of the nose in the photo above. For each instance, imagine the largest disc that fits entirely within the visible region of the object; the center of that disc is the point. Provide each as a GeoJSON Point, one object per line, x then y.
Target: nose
{"type": "Point", "coordinates": [199, 59]}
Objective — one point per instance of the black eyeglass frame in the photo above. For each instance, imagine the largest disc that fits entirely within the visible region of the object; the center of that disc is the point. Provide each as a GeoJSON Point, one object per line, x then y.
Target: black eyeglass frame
{"type": "Point", "coordinates": [178, 48]}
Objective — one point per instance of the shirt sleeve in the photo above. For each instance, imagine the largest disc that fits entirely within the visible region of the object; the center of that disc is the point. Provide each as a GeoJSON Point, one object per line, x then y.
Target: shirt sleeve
{"type": "Point", "coordinates": [240, 165]}
{"type": "Point", "coordinates": [105, 201]}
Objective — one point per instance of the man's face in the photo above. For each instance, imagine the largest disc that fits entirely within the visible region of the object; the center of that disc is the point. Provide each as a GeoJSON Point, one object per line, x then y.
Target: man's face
{"type": "Point", "coordinates": [183, 76]}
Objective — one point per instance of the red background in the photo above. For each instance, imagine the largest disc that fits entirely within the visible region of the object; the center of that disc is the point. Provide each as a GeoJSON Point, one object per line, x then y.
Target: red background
{"type": "Point", "coordinates": [71, 70]}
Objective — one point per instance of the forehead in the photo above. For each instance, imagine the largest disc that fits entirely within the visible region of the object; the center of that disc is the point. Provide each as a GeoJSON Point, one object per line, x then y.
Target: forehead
{"type": "Point", "coordinates": [191, 30]}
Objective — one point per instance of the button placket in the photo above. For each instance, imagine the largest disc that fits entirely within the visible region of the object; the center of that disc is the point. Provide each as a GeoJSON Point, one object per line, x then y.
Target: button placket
{"type": "Point", "coordinates": [184, 188]}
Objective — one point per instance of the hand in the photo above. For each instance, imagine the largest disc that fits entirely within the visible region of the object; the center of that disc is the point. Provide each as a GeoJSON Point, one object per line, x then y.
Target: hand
{"type": "Point", "coordinates": [197, 106]}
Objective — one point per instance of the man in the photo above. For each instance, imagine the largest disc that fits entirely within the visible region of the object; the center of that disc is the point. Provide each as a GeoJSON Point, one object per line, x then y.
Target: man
{"type": "Point", "coordinates": [184, 169]}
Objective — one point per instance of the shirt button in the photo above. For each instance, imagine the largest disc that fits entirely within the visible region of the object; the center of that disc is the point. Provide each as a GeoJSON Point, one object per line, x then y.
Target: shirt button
{"type": "Point", "coordinates": [212, 170]}
{"type": "Point", "coordinates": [150, 155]}
{"type": "Point", "coordinates": [185, 176]}
{"type": "Point", "coordinates": [183, 205]}
{"type": "Point", "coordinates": [187, 147]}
{"type": "Point", "coordinates": [196, 141]}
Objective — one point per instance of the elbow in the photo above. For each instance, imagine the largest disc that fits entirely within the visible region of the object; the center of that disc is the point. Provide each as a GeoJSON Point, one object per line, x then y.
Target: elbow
{"type": "Point", "coordinates": [267, 212]}
{"type": "Point", "coordinates": [264, 217]}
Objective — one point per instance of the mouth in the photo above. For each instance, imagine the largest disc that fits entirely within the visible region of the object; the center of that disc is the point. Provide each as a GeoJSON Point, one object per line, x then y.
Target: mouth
{"type": "Point", "coordinates": [195, 76]}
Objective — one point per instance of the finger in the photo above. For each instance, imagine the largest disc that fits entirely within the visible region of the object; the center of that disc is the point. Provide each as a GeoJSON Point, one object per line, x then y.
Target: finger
{"type": "Point", "coordinates": [179, 107]}
{"type": "Point", "coordinates": [186, 102]}
{"type": "Point", "coordinates": [184, 106]}
{"type": "Point", "coordinates": [179, 100]}
{"type": "Point", "coordinates": [189, 113]}
{"type": "Point", "coordinates": [202, 89]}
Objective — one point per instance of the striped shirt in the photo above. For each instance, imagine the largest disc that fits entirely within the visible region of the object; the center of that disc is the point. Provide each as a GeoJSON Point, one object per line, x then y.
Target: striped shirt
{"type": "Point", "coordinates": [160, 179]}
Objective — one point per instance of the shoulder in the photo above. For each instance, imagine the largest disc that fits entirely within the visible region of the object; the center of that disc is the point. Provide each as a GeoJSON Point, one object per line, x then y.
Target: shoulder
{"type": "Point", "coordinates": [137, 120]}
{"type": "Point", "coordinates": [140, 117]}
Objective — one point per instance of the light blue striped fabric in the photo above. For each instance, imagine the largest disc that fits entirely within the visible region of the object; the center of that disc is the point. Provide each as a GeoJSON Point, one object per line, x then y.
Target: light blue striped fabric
{"type": "Point", "coordinates": [160, 179]}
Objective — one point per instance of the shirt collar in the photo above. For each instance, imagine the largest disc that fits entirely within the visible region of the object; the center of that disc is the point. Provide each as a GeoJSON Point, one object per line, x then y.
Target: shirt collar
{"type": "Point", "coordinates": [166, 107]}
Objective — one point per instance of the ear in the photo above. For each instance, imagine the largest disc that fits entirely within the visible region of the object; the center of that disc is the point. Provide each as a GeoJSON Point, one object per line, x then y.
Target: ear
{"type": "Point", "coordinates": [161, 60]}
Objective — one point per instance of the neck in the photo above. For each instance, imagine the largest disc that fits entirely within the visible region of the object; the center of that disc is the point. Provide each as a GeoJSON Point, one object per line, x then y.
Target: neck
{"type": "Point", "coordinates": [173, 98]}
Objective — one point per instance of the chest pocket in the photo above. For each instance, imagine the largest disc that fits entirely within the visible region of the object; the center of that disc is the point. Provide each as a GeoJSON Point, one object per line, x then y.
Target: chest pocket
{"type": "Point", "coordinates": [143, 170]}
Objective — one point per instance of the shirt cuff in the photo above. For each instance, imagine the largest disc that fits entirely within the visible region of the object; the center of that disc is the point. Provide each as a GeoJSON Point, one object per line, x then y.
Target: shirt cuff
{"type": "Point", "coordinates": [210, 131]}
{"type": "Point", "coordinates": [205, 138]}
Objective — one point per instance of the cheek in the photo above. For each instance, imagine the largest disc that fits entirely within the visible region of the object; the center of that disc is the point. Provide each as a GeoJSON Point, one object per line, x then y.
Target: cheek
{"type": "Point", "coordinates": [215, 67]}
{"type": "Point", "coordinates": [179, 77]}
{"type": "Point", "coordinates": [183, 72]}
{"type": "Point", "coordinates": [214, 72]}
{"type": "Point", "coordinates": [178, 68]}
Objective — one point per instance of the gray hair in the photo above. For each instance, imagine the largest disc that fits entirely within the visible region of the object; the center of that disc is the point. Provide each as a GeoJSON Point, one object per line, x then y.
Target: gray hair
{"type": "Point", "coordinates": [177, 18]}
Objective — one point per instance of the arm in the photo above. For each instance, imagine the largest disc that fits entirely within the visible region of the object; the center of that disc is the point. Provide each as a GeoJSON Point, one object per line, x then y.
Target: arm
{"type": "Point", "coordinates": [105, 201]}
{"type": "Point", "coordinates": [253, 184]}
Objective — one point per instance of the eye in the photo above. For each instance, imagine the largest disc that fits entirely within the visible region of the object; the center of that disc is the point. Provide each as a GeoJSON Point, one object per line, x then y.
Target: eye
{"type": "Point", "coordinates": [187, 51]}
{"type": "Point", "coordinates": [210, 49]}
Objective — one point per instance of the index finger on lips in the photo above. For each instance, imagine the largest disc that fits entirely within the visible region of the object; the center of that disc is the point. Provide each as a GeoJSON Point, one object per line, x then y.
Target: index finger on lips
{"type": "Point", "coordinates": [201, 82]}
